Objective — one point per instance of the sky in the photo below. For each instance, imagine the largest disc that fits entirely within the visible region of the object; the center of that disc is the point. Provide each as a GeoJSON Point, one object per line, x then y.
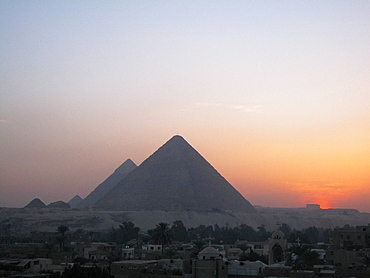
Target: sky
{"type": "Point", "coordinates": [274, 94]}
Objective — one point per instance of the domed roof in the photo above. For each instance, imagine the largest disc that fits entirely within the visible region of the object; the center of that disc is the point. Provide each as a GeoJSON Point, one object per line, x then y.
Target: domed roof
{"type": "Point", "coordinates": [209, 250]}
{"type": "Point", "coordinates": [208, 253]}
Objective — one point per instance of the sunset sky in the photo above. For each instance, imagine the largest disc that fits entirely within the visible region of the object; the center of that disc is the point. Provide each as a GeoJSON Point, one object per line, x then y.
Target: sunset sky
{"type": "Point", "coordinates": [274, 94]}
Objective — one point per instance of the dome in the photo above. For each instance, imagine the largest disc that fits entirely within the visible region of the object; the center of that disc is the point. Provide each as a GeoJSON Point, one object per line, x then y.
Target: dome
{"type": "Point", "coordinates": [208, 253]}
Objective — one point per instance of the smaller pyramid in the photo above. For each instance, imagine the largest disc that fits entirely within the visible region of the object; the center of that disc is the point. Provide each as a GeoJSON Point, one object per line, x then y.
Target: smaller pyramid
{"type": "Point", "coordinates": [59, 204]}
{"type": "Point", "coordinates": [35, 203]}
{"type": "Point", "coordinates": [99, 192]}
{"type": "Point", "coordinates": [75, 201]}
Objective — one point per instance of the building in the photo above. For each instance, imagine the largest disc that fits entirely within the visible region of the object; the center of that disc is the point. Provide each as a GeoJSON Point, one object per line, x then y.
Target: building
{"type": "Point", "coordinates": [151, 252]}
{"type": "Point", "coordinates": [348, 247]}
{"type": "Point", "coordinates": [148, 268]}
{"type": "Point", "coordinates": [274, 248]}
{"type": "Point", "coordinates": [128, 253]}
{"type": "Point", "coordinates": [247, 268]}
{"type": "Point", "coordinates": [277, 247]}
{"type": "Point", "coordinates": [313, 206]}
{"type": "Point", "coordinates": [209, 264]}
{"type": "Point", "coordinates": [29, 266]}
{"type": "Point", "coordinates": [100, 251]}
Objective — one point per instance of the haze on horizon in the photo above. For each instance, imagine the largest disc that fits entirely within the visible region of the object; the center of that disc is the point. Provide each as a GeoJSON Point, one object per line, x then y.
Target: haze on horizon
{"type": "Point", "coordinates": [274, 94]}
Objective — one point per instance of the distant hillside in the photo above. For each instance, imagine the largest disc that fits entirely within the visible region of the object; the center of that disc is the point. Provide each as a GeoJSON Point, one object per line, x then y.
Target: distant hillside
{"type": "Point", "coordinates": [24, 221]}
{"type": "Point", "coordinates": [175, 178]}
{"type": "Point", "coordinates": [119, 174]}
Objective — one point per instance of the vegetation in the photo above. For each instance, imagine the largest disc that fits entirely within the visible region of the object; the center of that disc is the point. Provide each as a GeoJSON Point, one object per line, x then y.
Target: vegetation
{"type": "Point", "coordinates": [126, 232]}
{"type": "Point", "coordinates": [244, 248]}
{"type": "Point", "coordinates": [301, 257]}
{"type": "Point", "coordinates": [49, 246]}
{"type": "Point", "coordinates": [221, 235]}
{"type": "Point", "coordinates": [85, 272]}
{"type": "Point", "coordinates": [62, 229]}
{"type": "Point", "coordinates": [198, 246]}
{"type": "Point", "coordinates": [162, 235]}
{"type": "Point", "coordinates": [253, 256]}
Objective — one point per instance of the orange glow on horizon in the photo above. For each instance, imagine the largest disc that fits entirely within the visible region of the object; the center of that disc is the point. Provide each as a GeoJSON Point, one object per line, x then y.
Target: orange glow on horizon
{"type": "Point", "coordinates": [293, 173]}
{"type": "Point", "coordinates": [324, 206]}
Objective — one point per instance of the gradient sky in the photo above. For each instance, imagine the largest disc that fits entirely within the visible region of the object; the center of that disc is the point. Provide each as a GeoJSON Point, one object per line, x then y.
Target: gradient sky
{"type": "Point", "coordinates": [274, 94]}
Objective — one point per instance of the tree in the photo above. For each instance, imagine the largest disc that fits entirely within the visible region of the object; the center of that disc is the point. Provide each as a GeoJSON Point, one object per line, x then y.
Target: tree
{"type": "Point", "coordinates": [137, 232]}
{"type": "Point", "coordinates": [179, 231]}
{"type": "Point", "coordinates": [62, 229]}
{"type": "Point", "coordinates": [262, 233]}
{"type": "Point", "coordinates": [198, 246]}
{"type": "Point", "coordinates": [311, 234]}
{"type": "Point", "coordinates": [286, 229]}
{"type": "Point", "coordinates": [50, 247]}
{"type": "Point", "coordinates": [243, 256]}
{"type": "Point", "coordinates": [253, 256]}
{"type": "Point", "coordinates": [247, 232]}
{"type": "Point", "coordinates": [127, 231]}
{"type": "Point", "coordinates": [301, 257]}
{"type": "Point", "coordinates": [162, 235]}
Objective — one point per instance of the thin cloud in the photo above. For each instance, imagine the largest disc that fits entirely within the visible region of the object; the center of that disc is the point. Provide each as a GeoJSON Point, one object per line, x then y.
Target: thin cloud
{"type": "Point", "coordinates": [318, 184]}
{"type": "Point", "coordinates": [320, 190]}
{"type": "Point", "coordinates": [3, 121]}
{"type": "Point", "coordinates": [238, 107]}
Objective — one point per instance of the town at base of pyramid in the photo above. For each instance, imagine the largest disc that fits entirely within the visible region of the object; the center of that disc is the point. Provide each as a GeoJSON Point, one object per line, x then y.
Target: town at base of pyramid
{"type": "Point", "coordinates": [126, 220]}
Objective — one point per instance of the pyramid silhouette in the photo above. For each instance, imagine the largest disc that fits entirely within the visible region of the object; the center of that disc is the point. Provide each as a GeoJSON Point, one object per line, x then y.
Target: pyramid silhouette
{"type": "Point", "coordinates": [175, 178]}
{"type": "Point", "coordinates": [120, 173]}
{"type": "Point", "coordinates": [36, 203]}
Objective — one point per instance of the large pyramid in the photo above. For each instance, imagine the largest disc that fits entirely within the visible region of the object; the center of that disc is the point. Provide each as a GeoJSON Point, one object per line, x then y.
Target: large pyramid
{"type": "Point", "coordinates": [175, 178]}
{"type": "Point", "coordinates": [119, 174]}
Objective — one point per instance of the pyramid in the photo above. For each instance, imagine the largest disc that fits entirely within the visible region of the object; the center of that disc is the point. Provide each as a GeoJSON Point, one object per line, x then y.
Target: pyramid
{"type": "Point", "coordinates": [118, 175]}
{"type": "Point", "coordinates": [75, 201]}
{"type": "Point", "coordinates": [175, 178]}
{"type": "Point", "coordinates": [59, 204]}
{"type": "Point", "coordinates": [36, 203]}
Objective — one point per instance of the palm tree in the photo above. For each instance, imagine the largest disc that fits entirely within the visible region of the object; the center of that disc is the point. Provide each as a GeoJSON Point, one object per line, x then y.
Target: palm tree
{"type": "Point", "coordinates": [162, 235]}
{"type": "Point", "coordinates": [243, 247]}
{"type": "Point", "coordinates": [62, 229]}
{"type": "Point", "coordinates": [197, 247]}
{"type": "Point", "coordinates": [137, 231]}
